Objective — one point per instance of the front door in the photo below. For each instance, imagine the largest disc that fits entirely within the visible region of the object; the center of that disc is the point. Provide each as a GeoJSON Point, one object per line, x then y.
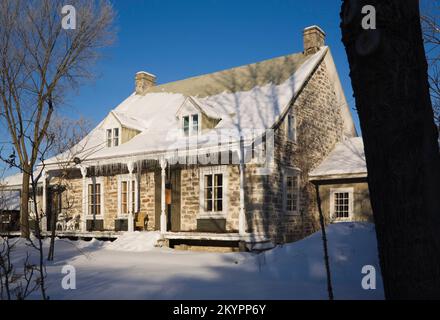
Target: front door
{"type": "Point", "coordinates": [175, 201]}
{"type": "Point", "coordinates": [172, 200]}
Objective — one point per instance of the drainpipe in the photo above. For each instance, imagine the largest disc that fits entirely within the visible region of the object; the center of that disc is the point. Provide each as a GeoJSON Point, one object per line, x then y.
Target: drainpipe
{"type": "Point", "coordinates": [130, 167]}
{"type": "Point", "coordinates": [84, 198]}
{"type": "Point", "coordinates": [242, 214]}
{"type": "Point", "coordinates": [163, 217]}
{"type": "Point", "coordinates": [44, 205]}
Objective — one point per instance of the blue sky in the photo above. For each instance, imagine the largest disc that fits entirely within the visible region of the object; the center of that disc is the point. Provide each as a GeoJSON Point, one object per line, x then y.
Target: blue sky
{"type": "Point", "coordinates": [179, 39]}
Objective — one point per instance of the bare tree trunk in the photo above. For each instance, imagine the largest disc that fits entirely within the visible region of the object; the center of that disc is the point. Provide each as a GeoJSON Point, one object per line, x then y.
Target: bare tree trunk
{"type": "Point", "coordinates": [24, 206]}
{"type": "Point", "coordinates": [390, 83]}
{"type": "Point", "coordinates": [53, 224]}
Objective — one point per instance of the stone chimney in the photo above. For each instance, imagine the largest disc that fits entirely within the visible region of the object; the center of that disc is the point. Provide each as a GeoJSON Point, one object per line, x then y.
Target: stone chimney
{"type": "Point", "coordinates": [143, 81]}
{"type": "Point", "coordinates": [314, 39]}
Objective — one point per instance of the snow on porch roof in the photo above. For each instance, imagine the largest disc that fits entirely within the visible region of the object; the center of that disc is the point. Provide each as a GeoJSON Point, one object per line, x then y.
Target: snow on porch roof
{"type": "Point", "coordinates": [346, 159]}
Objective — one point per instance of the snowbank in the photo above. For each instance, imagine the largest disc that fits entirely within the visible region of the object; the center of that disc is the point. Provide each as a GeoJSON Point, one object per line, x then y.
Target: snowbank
{"type": "Point", "coordinates": [135, 242]}
{"type": "Point", "coordinates": [130, 268]}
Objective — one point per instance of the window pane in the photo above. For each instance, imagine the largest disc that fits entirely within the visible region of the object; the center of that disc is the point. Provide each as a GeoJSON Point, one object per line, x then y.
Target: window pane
{"type": "Point", "coordinates": [208, 193]}
{"type": "Point", "coordinates": [208, 181]}
{"type": "Point", "coordinates": [124, 197]}
{"type": "Point", "coordinates": [342, 206]}
{"type": "Point", "coordinates": [208, 205]}
{"type": "Point", "coordinates": [218, 205]}
{"type": "Point", "coordinates": [218, 180]}
{"type": "Point", "coordinates": [186, 125]}
{"type": "Point", "coordinates": [218, 193]}
{"type": "Point", "coordinates": [195, 125]}
{"type": "Point", "coordinates": [116, 137]}
{"type": "Point", "coordinates": [109, 138]}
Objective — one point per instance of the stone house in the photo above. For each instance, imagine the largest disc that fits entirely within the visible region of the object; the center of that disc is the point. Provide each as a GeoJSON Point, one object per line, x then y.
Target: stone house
{"type": "Point", "coordinates": [226, 158]}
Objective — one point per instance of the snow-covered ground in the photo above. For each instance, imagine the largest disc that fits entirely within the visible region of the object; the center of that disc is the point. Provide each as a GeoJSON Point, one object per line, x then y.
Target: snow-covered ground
{"type": "Point", "coordinates": [131, 268]}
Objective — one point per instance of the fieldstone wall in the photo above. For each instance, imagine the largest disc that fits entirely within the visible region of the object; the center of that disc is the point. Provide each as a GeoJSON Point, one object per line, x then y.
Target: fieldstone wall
{"type": "Point", "coordinates": [190, 198]}
{"type": "Point", "coordinates": [145, 219]}
{"type": "Point", "coordinates": [110, 202]}
{"type": "Point", "coordinates": [362, 210]}
{"type": "Point", "coordinates": [233, 194]}
{"type": "Point", "coordinates": [319, 128]}
{"type": "Point", "coordinates": [190, 181]}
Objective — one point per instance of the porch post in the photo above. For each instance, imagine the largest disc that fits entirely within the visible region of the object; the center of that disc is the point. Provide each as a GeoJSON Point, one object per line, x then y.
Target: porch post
{"type": "Point", "coordinates": [163, 217]}
{"type": "Point", "coordinates": [242, 214]}
{"type": "Point", "coordinates": [43, 219]}
{"type": "Point", "coordinates": [84, 199]}
{"type": "Point", "coordinates": [130, 167]}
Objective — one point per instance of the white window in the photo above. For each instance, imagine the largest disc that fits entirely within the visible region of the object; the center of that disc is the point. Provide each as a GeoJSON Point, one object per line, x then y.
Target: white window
{"type": "Point", "coordinates": [190, 125]}
{"type": "Point", "coordinates": [109, 138]}
{"type": "Point", "coordinates": [95, 197]}
{"type": "Point", "coordinates": [116, 137]}
{"type": "Point", "coordinates": [112, 137]}
{"type": "Point", "coordinates": [291, 127]}
{"type": "Point", "coordinates": [291, 191]}
{"type": "Point", "coordinates": [186, 126]}
{"type": "Point", "coordinates": [195, 123]}
{"type": "Point", "coordinates": [341, 203]}
{"type": "Point", "coordinates": [124, 197]}
{"type": "Point", "coordinates": [127, 195]}
{"type": "Point", "coordinates": [213, 191]}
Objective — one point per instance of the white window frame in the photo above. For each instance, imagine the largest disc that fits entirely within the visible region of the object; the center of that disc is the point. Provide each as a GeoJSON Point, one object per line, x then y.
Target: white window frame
{"type": "Point", "coordinates": [288, 127]}
{"type": "Point", "coordinates": [211, 171]}
{"type": "Point", "coordinates": [292, 172]}
{"type": "Point", "coordinates": [350, 192]}
{"type": "Point", "coordinates": [112, 137]}
{"type": "Point", "coordinates": [116, 138]}
{"type": "Point", "coordinates": [109, 137]}
{"type": "Point", "coordinates": [126, 178]}
{"type": "Point", "coordinates": [191, 131]}
{"type": "Point", "coordinates": [96, 180]}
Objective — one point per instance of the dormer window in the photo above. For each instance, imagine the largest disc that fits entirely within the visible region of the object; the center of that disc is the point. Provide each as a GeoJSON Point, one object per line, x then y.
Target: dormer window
{"type": "Point", "coordinates": [109, 138]}
{"type": "Point", "coordinates": [186, 126]}
{"type": "Point", "coordinates": [195, 121]}
{"type": "Point", "coordinates": [112, 137]}
{"type": "Point", "coordinates": [115, 137]}
{"type": "Point", "coordinates": [190, 125]}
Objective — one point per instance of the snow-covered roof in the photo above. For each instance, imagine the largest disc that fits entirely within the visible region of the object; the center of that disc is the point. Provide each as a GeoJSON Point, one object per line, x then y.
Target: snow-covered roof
{"type": "Point", "coordinates": [130, 122]}
{"type": "Point", "coordinates": [13, 180]}
{"type": "Point", "coordinates": [346, 159]}
{"type": "Point", "coordinates": [249, 97]}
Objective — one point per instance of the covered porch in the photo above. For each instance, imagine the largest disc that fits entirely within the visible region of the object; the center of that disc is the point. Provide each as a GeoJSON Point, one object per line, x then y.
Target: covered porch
{"type": "Point", "coordinates": [167, 201]}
